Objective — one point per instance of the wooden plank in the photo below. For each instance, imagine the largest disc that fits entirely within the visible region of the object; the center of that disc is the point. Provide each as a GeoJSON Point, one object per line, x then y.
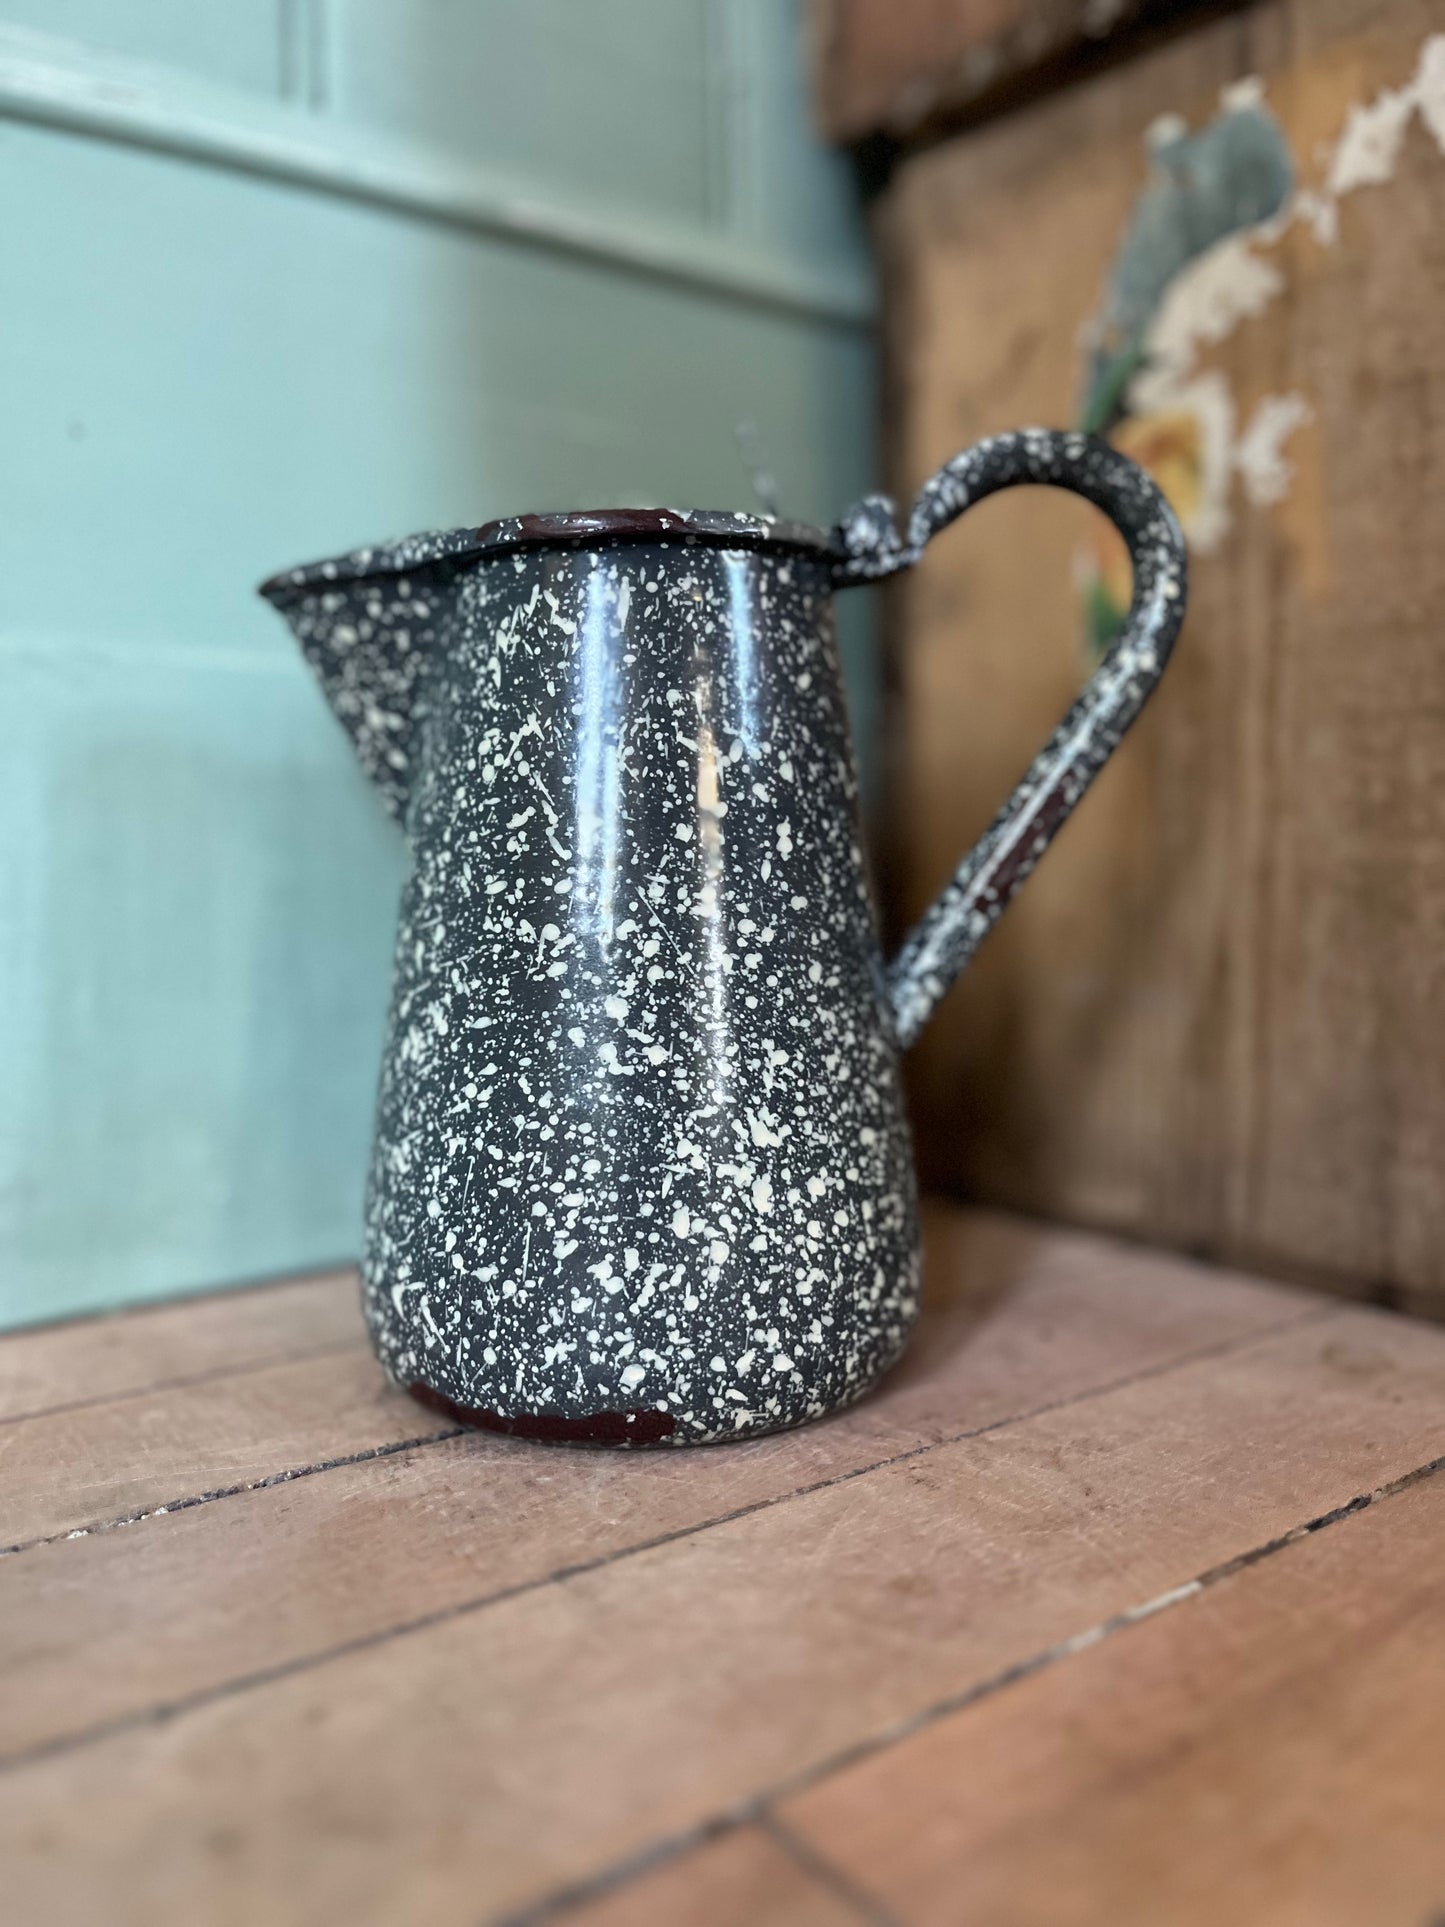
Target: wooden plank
{"type": "Point", "coordinates": [1273, 1750]}
{"type": "Point", "coordinates": [137, 1351]}
{"type": "Point", "coordinates": [68, 1470]}
{"type": "Point", "coordinates": [900, 67]}
{"type": "Point", "coordinates": [745, 1877]}
{"type": "Point", "coordinates": [1202, 1021]}
{"type": "Point", "coordinates": [109, 1626]}
{"type": "Point", "coordinates": [478, 1763]}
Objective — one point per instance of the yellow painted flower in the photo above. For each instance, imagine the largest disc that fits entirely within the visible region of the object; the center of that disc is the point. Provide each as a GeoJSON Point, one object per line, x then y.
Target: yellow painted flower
{"type": "Point", "coordinates": [1171, 448]}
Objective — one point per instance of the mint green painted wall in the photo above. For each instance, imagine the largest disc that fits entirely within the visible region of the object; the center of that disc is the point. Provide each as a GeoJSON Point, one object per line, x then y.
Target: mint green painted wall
{"type": "Point", "coordinates": [318, 336]}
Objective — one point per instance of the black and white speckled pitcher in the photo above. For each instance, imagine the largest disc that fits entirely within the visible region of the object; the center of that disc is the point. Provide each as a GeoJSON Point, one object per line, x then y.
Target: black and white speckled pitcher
{"type": "Point", "coordinates": [642, 1172]}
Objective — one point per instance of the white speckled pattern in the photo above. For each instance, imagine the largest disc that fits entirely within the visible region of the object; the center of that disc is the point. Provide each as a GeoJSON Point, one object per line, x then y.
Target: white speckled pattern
{"type": "Point", "coordinates": [642, 1172]}
{"type": "Point", "coordinates": [967, 910]}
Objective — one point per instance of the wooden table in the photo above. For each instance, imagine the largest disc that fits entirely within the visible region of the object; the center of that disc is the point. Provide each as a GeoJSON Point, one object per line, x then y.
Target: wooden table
{"type": "Point", "coordinates": [1124, 1601]}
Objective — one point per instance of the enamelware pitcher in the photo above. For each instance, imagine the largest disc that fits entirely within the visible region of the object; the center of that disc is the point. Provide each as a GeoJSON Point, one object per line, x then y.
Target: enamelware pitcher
{"type": "Point", "coordinates": [642, 1172]}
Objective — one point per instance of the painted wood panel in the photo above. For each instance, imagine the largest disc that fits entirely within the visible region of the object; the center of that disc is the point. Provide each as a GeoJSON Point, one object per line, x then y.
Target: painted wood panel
{"type": "Point", "coordinates": [278, 374]}
{"type": "Point", "coordinates": [210, 373]}
{"type": "Point", "coordinates": [240, 44]}
{"type": "Point", "coordinates": [543, 87]}
{"type": "Point", "coordinates": [897, 67]}
{"type": "Point", "coordinates": [1211, 1019]}
{"type": "Point", "coordinates": [199, 894]}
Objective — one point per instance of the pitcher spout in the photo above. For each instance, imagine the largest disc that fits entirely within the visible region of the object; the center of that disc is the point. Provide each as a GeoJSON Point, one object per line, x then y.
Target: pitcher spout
{"type": "Point", "coordinates": [369, 624]}
{"type": "Point", "coordinates": [374, 624]}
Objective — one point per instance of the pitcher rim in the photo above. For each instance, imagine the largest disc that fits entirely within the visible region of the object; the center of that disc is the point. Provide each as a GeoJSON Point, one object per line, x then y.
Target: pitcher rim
{"type": "Point", "coordinates": [571, 529]}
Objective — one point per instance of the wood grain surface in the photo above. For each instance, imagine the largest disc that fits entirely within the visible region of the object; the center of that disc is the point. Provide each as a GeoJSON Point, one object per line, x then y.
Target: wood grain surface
{"type": "Point", "coordinates": [179, 1605]}
{"type": "Point", "coordinates": [895, 67]}
{"type": "Point", "coordinates": [1212, 1017]}
{"type": "Point", "coordinates": [1270, 1751]}
{"type": "Point", "coordinates": [69, 1470]}
{"type": "Point", "coordinates": [746, 1876]}
{"type": "Point", "coordinates": [487, 1680]}
{"type": "Point", "coordinates": [63, 1365]}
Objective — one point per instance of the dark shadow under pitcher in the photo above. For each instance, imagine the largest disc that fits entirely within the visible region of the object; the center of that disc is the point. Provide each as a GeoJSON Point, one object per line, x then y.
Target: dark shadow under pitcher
{"type": "Point", "coordinates": [641, 1171]}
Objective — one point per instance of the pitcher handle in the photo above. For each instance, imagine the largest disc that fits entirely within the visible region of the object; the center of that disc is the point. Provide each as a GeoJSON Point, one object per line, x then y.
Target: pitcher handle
{"type": "Point", "coordinates": [869, 548]}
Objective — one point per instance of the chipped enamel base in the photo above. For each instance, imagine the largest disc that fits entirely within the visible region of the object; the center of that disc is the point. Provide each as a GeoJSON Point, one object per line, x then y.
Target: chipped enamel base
{"type": "Point", "coordinates": [641, 1170]}
{"type": "Point", "coordinates": [640, 1144]}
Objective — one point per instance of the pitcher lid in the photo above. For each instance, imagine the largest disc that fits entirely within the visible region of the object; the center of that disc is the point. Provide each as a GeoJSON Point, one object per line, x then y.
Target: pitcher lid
{"type": "Point", "coordinates": [575, 529]}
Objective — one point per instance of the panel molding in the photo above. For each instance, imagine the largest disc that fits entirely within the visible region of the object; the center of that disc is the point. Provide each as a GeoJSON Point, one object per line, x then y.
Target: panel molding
{"type": "Point", "coordinates": [62, 85]}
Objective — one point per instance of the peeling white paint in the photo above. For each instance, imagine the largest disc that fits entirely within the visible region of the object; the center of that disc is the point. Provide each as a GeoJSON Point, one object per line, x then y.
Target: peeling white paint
{"type": "Point", "coordinates": [1205, 303]}
{"type": "Point", "coordinates": [1164, 131]}
{"type": "Point", "coordinates": [1430, 88]}
{"type": "Point", "coordinates": [1368, 149]}
{"type": "Point", "coordinates": [1260, 457]}
{"type": "Point", "coordinates": [1318, 212]}
{"type": "Point", "coordinates": [1236, 281]}
{"type": "Point", "coordinates": [1209, 399]}
{"type": "Point", "coordinates": [1241, 95]}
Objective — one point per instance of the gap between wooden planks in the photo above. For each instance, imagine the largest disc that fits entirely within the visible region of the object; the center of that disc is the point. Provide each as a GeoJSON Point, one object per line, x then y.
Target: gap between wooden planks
{"type": "Point", "coordinates": [1252, 1758]}
{"type": "Point", "coordinates": [1273, 1751]}
{"type": "Point", "coordinates": [84, 1361]}
{"type": "Point", "coordinates": [276, 1412]}
{"type": "Point", "coordinates": [119, 1623]}
{"type": "Point", "coordinates": [595, 1700]}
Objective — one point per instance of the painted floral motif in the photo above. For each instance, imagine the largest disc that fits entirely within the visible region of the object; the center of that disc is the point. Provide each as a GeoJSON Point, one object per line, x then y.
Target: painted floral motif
{"type": "Point", "coordinates": [1198, 258]}
{"type": "Point", "coordinates": [1168, 446]}
{"type": "Point", "coordinates": [1234, 176]}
